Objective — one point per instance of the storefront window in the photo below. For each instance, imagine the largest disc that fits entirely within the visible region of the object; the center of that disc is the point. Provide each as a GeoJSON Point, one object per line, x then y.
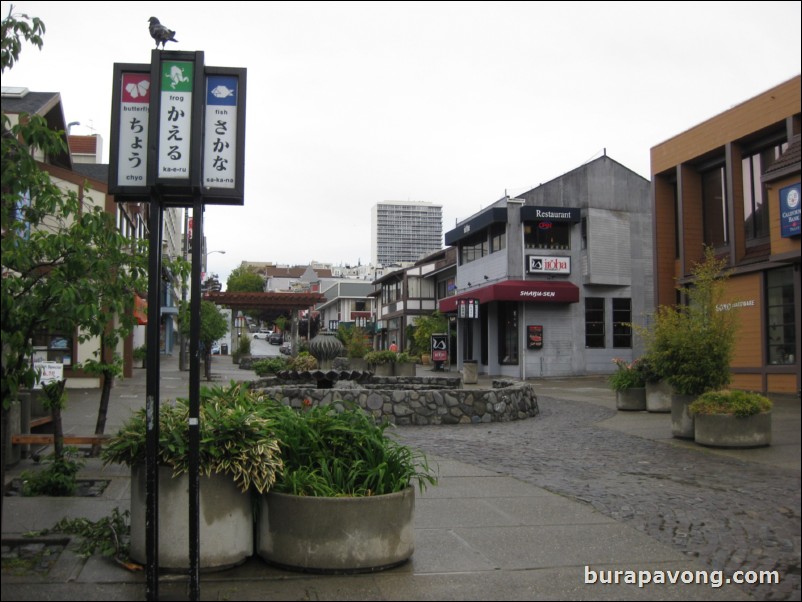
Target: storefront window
{"type": "Point", "coordinates": [508, 333]}
{"type": "Point", "coordinates": [498, 237]}
{"type": "Point", "coordinates": [594, 322]}
{"type": "Point", "coordinates": [714, 207]}
{"type": "Point", "coordinates": [756, 213]}
{"type": "Point", "coordinates": [474, 248]}
{"type": "Point", "coordinates": [622, 323]}
{"type": "Point", "coordinates": [53, 347]}
{"type": "Point", "coordinates": [547, 235]}
{"type": "Point", "coordinates": [781, 317]}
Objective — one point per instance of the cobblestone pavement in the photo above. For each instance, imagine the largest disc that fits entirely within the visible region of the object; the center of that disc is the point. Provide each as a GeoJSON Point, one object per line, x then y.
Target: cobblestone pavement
{"type": "Point", "coordinates": [734, 515]}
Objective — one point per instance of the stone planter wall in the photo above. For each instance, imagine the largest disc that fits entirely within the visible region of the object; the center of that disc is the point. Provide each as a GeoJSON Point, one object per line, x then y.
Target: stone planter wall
{"type": "Point", "coordinates": [723, 430]}
{"type": "Point", "coordinates": [341, 534]}
{"type": "Point", "coordinates": [404, 404]}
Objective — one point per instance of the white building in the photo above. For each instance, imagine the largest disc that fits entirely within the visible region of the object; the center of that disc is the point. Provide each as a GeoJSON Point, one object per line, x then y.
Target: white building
{"type": "Point", "coordinates": [405, 231]}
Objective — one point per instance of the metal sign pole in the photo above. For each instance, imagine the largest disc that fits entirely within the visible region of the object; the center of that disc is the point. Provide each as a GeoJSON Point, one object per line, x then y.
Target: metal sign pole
{"type": "Point", "coordinates": [152, 396]}
{"type": "Point", "coordinates": [194, 401]}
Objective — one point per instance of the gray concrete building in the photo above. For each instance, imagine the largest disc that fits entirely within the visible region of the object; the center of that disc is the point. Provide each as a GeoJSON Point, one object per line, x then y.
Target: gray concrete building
{"type": "Point", "coordinates": [549, 283]}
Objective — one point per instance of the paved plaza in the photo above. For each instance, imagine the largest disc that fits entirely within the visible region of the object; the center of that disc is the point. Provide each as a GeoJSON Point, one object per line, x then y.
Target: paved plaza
{"type": "Point", "coordinates": [545, 508]}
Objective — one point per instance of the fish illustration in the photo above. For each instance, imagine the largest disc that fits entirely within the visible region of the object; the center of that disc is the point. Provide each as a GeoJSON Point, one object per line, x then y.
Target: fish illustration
{"type": "Point", "coordinates": [222, 92]}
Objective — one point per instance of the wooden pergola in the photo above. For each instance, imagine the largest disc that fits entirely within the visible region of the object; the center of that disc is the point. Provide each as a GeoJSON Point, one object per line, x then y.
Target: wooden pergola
{"type": "Point", "coordinates": [266, 301]}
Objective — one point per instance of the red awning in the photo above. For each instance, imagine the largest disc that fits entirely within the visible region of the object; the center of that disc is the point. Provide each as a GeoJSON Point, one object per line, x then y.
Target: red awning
{"type": "Point", "coordinates": [532, 291]}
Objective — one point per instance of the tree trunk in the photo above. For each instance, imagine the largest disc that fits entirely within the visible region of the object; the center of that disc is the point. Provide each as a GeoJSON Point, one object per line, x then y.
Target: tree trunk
{"type": "Point", "coordinates": [56, 399]}
{"type": "Point", "coordinates": [103, 410]}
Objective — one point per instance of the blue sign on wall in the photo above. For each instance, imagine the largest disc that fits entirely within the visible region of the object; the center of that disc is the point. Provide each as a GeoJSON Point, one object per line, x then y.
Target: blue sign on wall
{"type": "Point", "coordinates": [789, 211]}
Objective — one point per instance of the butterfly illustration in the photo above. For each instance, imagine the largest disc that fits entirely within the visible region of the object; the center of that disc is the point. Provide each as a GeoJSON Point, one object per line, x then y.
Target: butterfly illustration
{"type": "Point", "coordinates": [137, 89]}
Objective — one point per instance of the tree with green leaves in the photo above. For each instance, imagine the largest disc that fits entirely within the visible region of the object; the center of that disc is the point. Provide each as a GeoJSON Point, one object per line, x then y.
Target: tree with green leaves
{"type": "Point", "coordinates": [65, 266]}
{"type": "Point", "coordinates": [425, 327]}
{"type": "Point", "coordinates": [245, 279]}
{"type": "Point", "coordinates": [213, 325]}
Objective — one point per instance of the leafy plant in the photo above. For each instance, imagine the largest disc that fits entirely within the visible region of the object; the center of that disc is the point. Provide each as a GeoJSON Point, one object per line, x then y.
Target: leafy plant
{"type": "Point", "coordinates": [626, 376]}
{"type": "Point", "coordinates": [301, 362]}
{"type": "Point", "coordinates": [737, 403]}
{"type": "Point", "coordinates": [57, 480]}
{"type": "Point", "coordinates": [377, 358]}
{"type": "Point", "coordinates": [425, 327]}
{"type": "Point", "coordinates": [692, 345]}
{"type": "Point", "coordinates": [110, 536]}
{"type": "Point", "coordinates": [237, 437]}
{"type": "Point", "coordinates": [141, 353]}
{"type": "Point", "coordinates": [404, 358]}
{"type": "Point", "coordinates": [329, 453]}
{"type": "Point", "coordinates": [355, 340]}
{"type": "Point", "coordinates": [271, 365]}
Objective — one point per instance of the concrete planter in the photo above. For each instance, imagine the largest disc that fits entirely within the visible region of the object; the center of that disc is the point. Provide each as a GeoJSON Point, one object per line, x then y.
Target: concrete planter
{"type": "Point", "coordinates": [725, 430]}
{"type": "Point", "coordinates": [681, 419]}
{"type": "Point", "coordinates": [405, 369]}
{"type": "Point", "coordinates": [631, 400]}
{"type": "Point", "coordinates": [339, 535]}
{"type": "Point", "coordinates": [382, 369]}
{"type": "Point", "coordinates": [226, 521]}
{"type": "Point", "coordinates": [658, 397]}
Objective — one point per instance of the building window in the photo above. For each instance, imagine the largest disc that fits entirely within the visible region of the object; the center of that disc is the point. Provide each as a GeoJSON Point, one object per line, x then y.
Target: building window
{"type": "Point", "coordinates": [498, 237]}
{"type": "Point", "coordinates": [53, 347]}
{"type": "Point", "coordinates": [547, 235]}
{"type": "Point", "coordinates": [756, 211]}
{"type": "Point", "coordinates": [446, 288]}
{"type": "Point", "coordinates": [714, 208]}
{"type": "Point", "coordinates": [781, 317]}
{"type": "Point", "coordinates": [594, 322]}
{"type": "Point", "coordinates": [622, 323]}
{"type": "Point", "coordinates": [508, 333]}
{"type": "Point", "coordinates": [474, 248]}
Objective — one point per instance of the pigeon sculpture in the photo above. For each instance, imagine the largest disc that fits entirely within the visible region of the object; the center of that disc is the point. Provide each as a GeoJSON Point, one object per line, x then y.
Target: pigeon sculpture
{"type": "Point", "coordinates": [160, 33]}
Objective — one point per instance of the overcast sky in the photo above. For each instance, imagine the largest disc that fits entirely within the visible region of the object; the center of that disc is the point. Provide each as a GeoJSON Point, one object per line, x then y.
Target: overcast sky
{"type": "Point", "coordinates": [453, 103]}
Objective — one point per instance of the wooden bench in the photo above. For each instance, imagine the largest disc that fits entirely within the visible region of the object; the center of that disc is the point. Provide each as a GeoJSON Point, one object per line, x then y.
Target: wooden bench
{"type": "Point", "coordinates": [41, 421]}
{"type": "Point", "coordinates": [47, 439]}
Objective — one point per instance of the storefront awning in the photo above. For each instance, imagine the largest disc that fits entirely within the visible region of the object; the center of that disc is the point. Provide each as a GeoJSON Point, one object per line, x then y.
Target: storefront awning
{"type": "Point", "coordinates": [532, 291]}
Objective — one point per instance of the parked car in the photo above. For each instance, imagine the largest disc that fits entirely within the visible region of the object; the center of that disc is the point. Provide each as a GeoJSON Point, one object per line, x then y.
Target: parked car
{"type": "Point", "coordinates": [215, 348]}
{"type": "Point", "coordinates": [276, 338]}
{"type": "Point", "coordinates": [263, 333]}
{"type": "Point", "coordinates": [286, 348]}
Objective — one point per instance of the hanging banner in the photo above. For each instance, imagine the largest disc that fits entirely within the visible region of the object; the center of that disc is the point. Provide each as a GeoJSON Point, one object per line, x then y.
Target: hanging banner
{"type": "Point", "coordinates": [789, 211]}
{"type": "Point", "coordinates": [224, 135]}
{"type": "Point", "coordinates": [175, 119]}
{"type": "Point", "coordinates": [130, 112]}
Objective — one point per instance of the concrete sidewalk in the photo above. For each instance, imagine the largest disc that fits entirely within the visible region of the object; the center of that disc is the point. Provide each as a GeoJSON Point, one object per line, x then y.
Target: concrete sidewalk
{"type": "Point", "coordinates": [480, 534]}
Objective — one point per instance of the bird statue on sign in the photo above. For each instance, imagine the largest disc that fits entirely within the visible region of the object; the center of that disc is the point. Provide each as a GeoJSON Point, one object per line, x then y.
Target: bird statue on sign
{"type": "Point", "coordinates": [160, 33]}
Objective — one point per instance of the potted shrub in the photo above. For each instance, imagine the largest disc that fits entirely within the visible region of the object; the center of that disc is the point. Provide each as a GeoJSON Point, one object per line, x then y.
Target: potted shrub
{"type": "Point", "coordinates": [732, 419]}
{"type": "Point", "coordinates": [238, 451]}
{"type": "Point", "coordinates": [381, 362]}
{"type": "Point", "coordinates": [692, 345]}
{"type": "Point", "coordinates": [141, 354]}
{"type": "Point", "coordinates": [345, 498]}
{"type": "Point", "coordinates": [658, 390]}
{"type": "Point", "coordinates": [629, 385]}
{"type": "Point", "coordinates": [404, 364]}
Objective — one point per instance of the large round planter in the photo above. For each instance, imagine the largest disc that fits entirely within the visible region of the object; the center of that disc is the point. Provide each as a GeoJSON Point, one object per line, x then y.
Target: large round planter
{"type": "Point", "coordinates": [336, 534]}
{"type": "Point", "coordinates": [631, 400]}
{"type": "Point", "coordinates": [681, 419]}
{"type": "Point", "coordinates": [226, 521]}
{"type": "Point", "coordinates": [658, 397]}
{"type": "Point", "coordinates": [724, 430]}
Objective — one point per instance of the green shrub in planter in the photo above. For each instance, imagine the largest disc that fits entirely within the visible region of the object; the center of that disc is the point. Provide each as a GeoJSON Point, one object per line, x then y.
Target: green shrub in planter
{"type": "Point", "coordinates": [735, 403]}
{"type": "Point", "coordinates": [626, 376]}
{"type": "Point", "coordinates": [237, 437]}
{"type": "Point", "coordinates": [272, 365]}
{"type": "Point", "coordinates": [379, 358]}
{"type": "Point", "coordinates": [331, 453]}
{"type": "Point", "coordinates": [303, 361]}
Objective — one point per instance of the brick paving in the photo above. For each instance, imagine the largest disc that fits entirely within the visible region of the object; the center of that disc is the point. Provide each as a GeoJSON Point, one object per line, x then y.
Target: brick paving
{"type": "Point", "coordinates": [731, 514]}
